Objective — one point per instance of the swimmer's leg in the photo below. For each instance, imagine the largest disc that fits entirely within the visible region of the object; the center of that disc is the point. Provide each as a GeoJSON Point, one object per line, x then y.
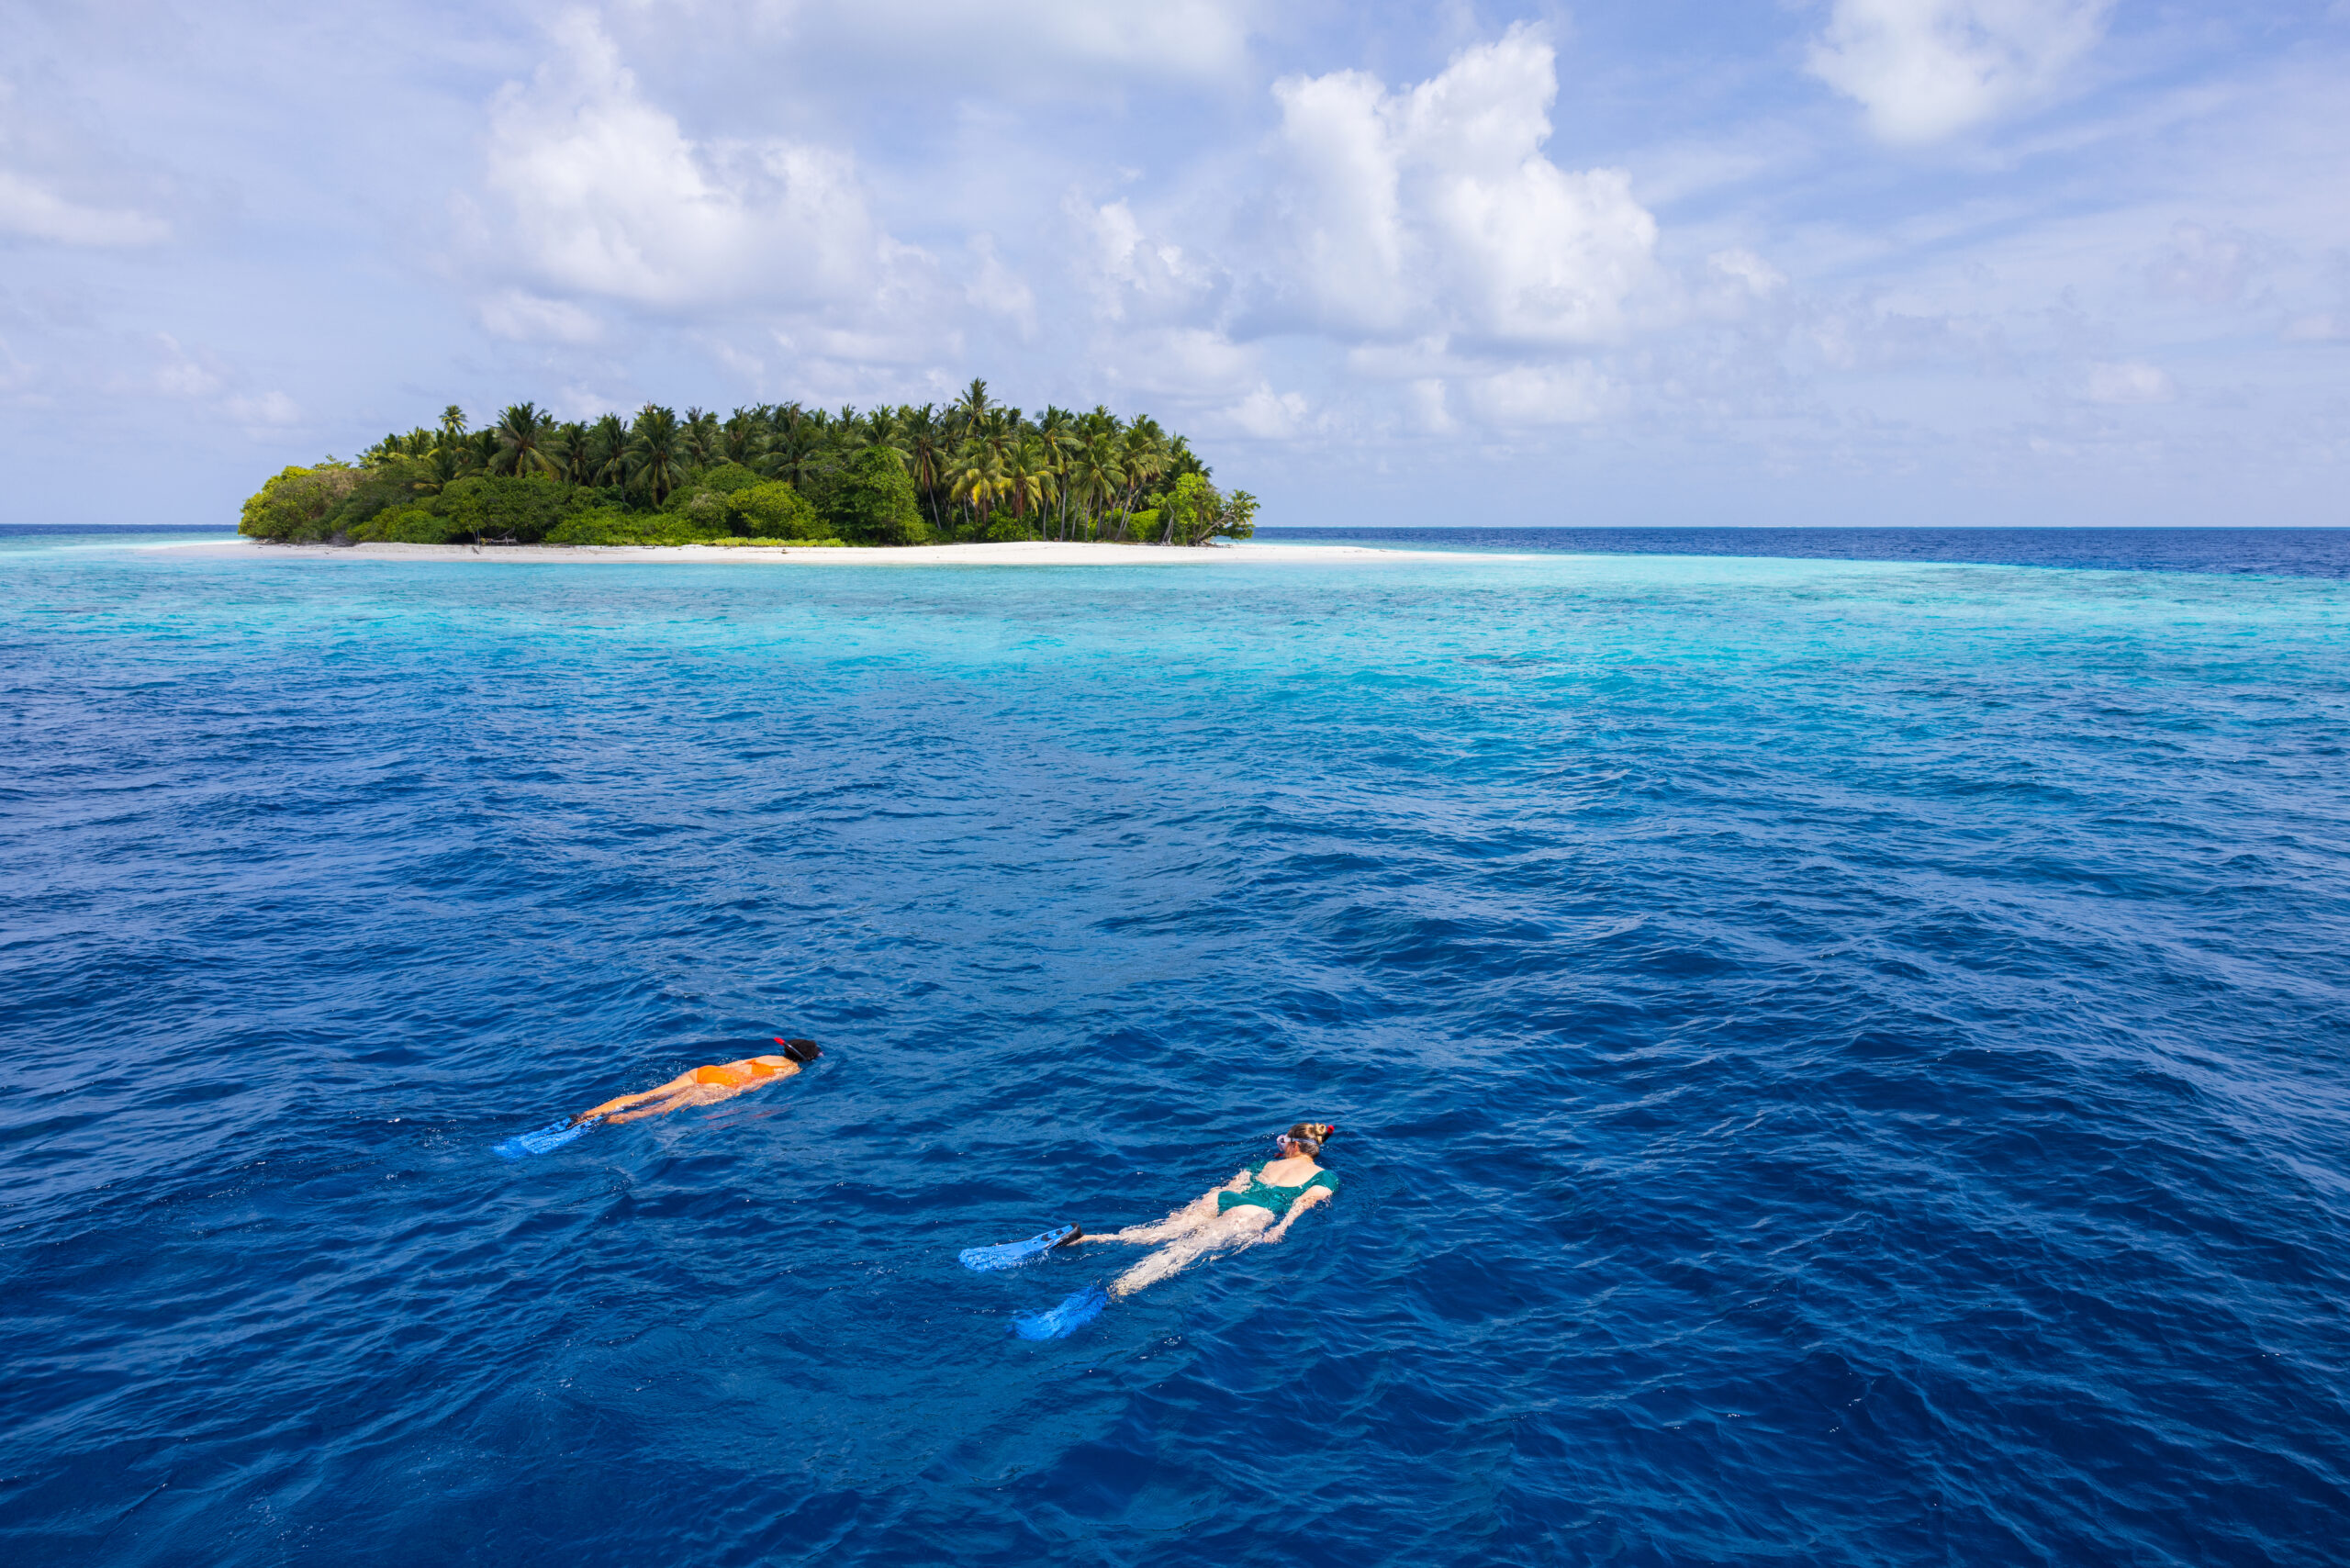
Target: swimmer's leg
{"type": "Point", "coordinates": [694, 1094]}
{"type": "Point", "coordinates": [1237, 1228]}
{"type": "Point", "coordinates": [676, 1085]}
{"type": "Point", "coordinates": [1145, 1235]}
{"type": "Point", "coordinates": [1182, 1222]}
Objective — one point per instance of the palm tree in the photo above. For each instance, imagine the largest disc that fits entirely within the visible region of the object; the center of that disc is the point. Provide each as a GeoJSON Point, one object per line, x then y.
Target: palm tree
{"type": "Point", "coordinates": [572, 457]}
{"type": "Point", "coordinates": [452, 422]}
{"type": "Point", "coordinates": [884, 429]}
{"type": "Point", "coordinates": [1057, 429]}
{"type": "Point", "coordinates": [1028, 476]}
{"type": "Point", "coordinates": [745, 436]}
{"type": "Point", "coordinates": [971, 406]}
{"type": "Point", "coordinates": [836, 436]}
{"type": "Point", "coordinates": [417, 446]}
{"type": "Point", "coordinates": [1182, 460]}
{"type": "Point", "coordinates": [976, 478]}
{"type": "Point", "coordinates": [926, 455]}
{"type": "Point", "coordinates": [987, 451]}
{"type": "Point", "coordinates": [443, 466]}
{"type": "Point", "coordinates": [657, 454]}
{"type": "Point", "coordinates": [1101, 425]}
{"type": "Point", "coordinates": [795, 447]}
{"type": "Point", "coordinates": [1097, 473]}
{"type": "Point", "coordinates": [607, 452]}
{"type": "Point", "coordinates": [522, 436]}
{"type": "Point", "coordinates": [1177, 459]}
{"type": "Point", "coordinates": [1144, 454]}
{"type": "Point", "coordinates": [700, 439]}
{"type": "Point", "coordinates": [999, 431]}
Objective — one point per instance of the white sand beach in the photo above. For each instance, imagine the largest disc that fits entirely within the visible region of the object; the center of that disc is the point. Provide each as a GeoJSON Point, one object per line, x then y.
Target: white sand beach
{"type": "Point", "coordinates": [1013, 554]}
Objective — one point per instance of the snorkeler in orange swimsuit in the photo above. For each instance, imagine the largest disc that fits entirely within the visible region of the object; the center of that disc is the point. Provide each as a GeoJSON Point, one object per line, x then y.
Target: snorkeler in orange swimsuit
{"type": "Point", "coordinates": [707, 1085]}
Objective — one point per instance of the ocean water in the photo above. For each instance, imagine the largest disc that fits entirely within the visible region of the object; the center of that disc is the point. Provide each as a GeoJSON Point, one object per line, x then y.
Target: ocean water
{"type": "Point", "coordinates": [1839, 1062]}
{"type": "Point", "coordinates": [2273, 552]}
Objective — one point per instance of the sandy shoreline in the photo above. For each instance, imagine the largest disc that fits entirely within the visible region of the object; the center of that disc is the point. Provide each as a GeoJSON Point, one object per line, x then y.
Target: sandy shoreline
{"type": "Point", "coordinates": [1022, 555]}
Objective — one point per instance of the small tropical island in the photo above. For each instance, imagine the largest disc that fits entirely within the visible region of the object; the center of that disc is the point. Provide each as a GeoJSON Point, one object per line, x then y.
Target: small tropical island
{"type": "Point", "coordinates": [772, 476]}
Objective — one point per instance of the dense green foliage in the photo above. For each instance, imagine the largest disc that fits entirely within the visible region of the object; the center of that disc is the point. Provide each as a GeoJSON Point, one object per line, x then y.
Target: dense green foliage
{"type": "Point", "coordinates": [774, 473]}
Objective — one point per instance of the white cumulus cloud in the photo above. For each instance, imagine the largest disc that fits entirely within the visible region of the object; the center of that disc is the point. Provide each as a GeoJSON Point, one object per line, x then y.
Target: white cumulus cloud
{"type": "Point", "coordinates": [1191, 362]}
{"type": "Point", "coordinates": [1436, 208]}
{"type": "Point", "coordinates": [606, 195]}
{"type": "Point", "coordinates": [997, 288]}
{"type": "Point", "coordinates": [179, 374]}
{"type": "Point", "coordinates": [1927, 69]}
{"type": "Point", "coordinates": [1134, 274]}
{"type": "Point", "coordinates": [2127, 381]}
{"type": "Point", "coordinates": [268, 410]}
{"type": "Point", "coordinates": [33, 211]}
{"type": "Point", "coordinates": [1269, 415]}
{"type": "Point", "coordinates": [527, 318]}
{"type": "Point", "coordinates": [1540, 395]}
{"type": "Point", "coordinates": [2205, 265]}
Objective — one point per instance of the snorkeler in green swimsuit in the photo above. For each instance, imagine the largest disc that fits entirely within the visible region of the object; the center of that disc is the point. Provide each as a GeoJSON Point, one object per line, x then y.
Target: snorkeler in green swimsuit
{"type": "Point", "coordinates": [1256, 1205]}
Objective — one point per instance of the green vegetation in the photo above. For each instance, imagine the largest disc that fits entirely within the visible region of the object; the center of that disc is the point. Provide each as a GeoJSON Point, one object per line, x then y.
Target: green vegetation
{"type": "Point", "coordinates": [774, 475]}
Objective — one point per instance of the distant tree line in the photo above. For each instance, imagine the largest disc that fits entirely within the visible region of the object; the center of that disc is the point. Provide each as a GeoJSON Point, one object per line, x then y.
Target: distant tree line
{"type": "Point", "coordinates": [776, 473]}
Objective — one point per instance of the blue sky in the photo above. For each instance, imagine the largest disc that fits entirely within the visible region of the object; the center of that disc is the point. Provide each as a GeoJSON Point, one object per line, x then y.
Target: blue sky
{"type": "Point", "coordinates": [1851, 262]}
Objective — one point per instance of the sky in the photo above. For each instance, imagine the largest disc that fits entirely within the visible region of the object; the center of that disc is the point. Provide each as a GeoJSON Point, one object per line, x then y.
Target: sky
{"type": "Point", "coordinates": [1858, 262]}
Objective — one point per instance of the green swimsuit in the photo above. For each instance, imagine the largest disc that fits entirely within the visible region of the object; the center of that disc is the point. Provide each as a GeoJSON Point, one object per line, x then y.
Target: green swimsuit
{"type": "Point", "coordinates": [1263, 1195]}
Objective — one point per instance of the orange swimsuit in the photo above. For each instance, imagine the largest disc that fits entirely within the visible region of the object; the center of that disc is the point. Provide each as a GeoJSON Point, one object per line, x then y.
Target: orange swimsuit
{"type": "Point", "coordinates": [729, 1074]}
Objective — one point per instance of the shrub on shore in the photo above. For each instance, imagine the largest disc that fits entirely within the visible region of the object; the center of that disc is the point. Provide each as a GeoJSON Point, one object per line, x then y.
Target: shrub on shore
{"type": "Point", "coordinates": [608, 526]}
{"type": "Point", "coordinates": [779, 544]}
{"type": "Point", "coordinates": [295, 503]}
{"type": "Point", "coordinates": [874, 502]}
{"type": "Point", "coordinates": [408, 525]}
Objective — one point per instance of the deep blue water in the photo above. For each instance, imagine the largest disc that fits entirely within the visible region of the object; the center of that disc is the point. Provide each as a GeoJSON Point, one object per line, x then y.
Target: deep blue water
{"type": "Point", "coordinates": [41, 532]}
{"type": "Point", "coordinates": [2280, 552]}
{"type": "Point", "coordinates": [1839, 1063]}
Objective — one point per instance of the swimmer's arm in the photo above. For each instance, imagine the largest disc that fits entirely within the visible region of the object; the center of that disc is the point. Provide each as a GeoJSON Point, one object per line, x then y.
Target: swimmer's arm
{"type": "Point", "coordinates": [1306, 1200]}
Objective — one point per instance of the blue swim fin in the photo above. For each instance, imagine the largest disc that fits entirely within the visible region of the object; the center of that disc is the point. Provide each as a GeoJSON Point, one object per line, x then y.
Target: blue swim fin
{"type": "Point", "coordinates": [1065, 1319]}
{"type": "Point", "coordinates": [554, 1135]}
{"type": "Point", "coordinates": [1012, 1254]}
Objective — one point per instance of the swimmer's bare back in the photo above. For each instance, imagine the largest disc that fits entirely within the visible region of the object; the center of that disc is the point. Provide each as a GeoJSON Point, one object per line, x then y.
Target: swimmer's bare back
{"type": "Point", "coordinates": [707, 1085]}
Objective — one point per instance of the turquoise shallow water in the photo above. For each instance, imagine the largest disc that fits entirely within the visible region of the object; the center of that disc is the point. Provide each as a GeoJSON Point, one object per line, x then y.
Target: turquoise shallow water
{"type": "Point", "coordinates": [1839, 1062]}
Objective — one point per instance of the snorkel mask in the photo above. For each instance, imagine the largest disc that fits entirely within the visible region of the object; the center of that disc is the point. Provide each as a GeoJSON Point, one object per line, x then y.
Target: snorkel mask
{"type": "Point", "coordinates": [1309, 1141]}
